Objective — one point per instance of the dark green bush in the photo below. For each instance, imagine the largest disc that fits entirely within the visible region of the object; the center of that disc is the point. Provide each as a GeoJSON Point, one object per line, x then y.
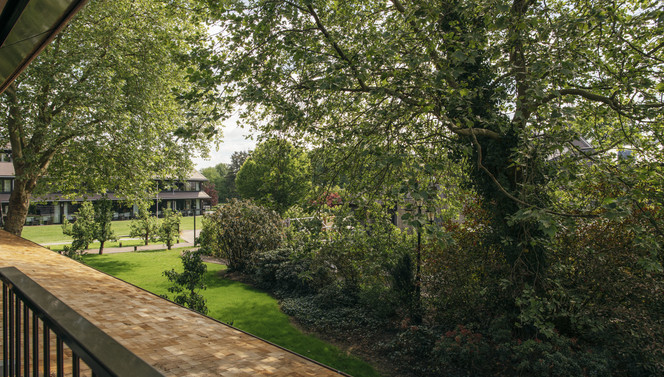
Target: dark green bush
{"type": "Point", "coordinates": [282, 270]}
{"type": "Point", "coordinates": [329, 315]}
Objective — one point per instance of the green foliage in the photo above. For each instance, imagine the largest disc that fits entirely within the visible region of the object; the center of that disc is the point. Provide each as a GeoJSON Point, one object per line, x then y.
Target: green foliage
{"type": "Point", "coordinates": [499, 90]}
{"type": "Point", "coordinates": [331, 315]}
{"type": "Point", "coordinates": [145, 226]}
{"type": "Point", "coordinates": [83, 231]}
{"type": "Point", "coordinates": [237, 160]}
{"type": "Point", "coordinates": [72, 253]}
{"type": "Point", "coordinates": [169, 229]}
{"type": "Point", "coordinates": [362, 248]}
{"type": "Point", "coordinates": [276, 175]}
{"type": "Point", "coordinates": [237, 231]}
{"type": "Point", "coordinates": [602, 290]}
{"type": "Point", "coordinates": [186, 284]}
{"type": "Point", "coordinates": [93, 222]}
{"type": "Point", "coordinates": [217, 176]}
{"type": "Point", "coordinates": [103, 218]}
{"type": "Point", "coordinates": [404, 284]}
{"type": "Point", "coordinates": [105, 116]}
{"type": "Point", "coordinates": [282, 271]}
{"type": "Point", "coordinates": [408, 100]}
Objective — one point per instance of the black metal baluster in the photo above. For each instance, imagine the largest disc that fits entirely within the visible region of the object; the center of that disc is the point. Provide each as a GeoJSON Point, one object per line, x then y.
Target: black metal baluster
{"type": "Point", "coordinates": [59, 364]}
{"type": "Point", "coordinates": [11, 333]}
{"type": "Point", "coordinates": [75, 366]}
{"type": "Point", "coordinates": [17, 334]}
{"type": "Point", "coordinates": [47, 350]}
{"type": "Point", "coordinates": [5, 335]}
{"type": "Point", "coordinates": [26, 341]}
{"type": "Point", "coordinates": [35, 345]}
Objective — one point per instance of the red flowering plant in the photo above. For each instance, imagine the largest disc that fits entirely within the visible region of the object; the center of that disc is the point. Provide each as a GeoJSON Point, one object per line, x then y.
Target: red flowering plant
{"type": "Point", "coordinates": [464, 348]}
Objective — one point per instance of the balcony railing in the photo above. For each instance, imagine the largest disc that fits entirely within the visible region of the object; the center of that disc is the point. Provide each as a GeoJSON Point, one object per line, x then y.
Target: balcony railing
{"type": "Point", "coordinates": [31, 313]}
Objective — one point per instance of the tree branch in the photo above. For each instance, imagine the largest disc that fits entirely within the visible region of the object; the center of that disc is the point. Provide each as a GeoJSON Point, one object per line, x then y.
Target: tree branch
{"type": "Point", "coordinates": [435, 58]}
{"type": "Point", "coordinates": [336, 47]}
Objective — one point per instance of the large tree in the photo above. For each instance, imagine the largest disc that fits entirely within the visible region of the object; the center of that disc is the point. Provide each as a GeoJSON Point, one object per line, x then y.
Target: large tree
{"type": "Point", "coordinates": [105, 105]}
{"type": "Point", "coordinates": [502, 86]}
{"type": "Point", "coordinates": [217, 177]}
{"type": "Point", "coordinates": [276, 174]}
{"type": "Point", "coordinates": [237, 160]}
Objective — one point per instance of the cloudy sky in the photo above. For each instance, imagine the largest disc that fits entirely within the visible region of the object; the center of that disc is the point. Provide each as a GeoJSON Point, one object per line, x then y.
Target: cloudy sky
{"type": "Point", "coordinates": [235, 139]}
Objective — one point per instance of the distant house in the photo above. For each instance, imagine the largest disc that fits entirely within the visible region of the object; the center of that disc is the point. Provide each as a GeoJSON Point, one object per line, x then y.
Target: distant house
{"type": "Point", "coordinates": [185, 197]}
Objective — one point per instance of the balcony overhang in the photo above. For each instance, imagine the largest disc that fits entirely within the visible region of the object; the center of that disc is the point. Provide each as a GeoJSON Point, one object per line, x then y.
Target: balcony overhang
{"type": "Point", "coordinates": [174, 340]}
{"type": "Point", "coordinates": [26, 27]}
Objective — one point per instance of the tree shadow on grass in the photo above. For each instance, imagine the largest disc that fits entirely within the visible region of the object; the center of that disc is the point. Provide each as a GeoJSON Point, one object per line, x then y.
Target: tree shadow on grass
{"type": "Point", "coordinates": [111, 267]}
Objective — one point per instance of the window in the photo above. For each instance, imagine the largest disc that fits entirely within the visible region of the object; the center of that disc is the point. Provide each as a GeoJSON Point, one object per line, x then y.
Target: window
{"type": "Point", "coordinates": [6, 185]}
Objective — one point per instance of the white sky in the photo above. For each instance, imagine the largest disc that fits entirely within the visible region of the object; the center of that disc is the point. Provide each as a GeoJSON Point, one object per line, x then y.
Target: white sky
{"type": "Point", "coordinates": [235, 138]}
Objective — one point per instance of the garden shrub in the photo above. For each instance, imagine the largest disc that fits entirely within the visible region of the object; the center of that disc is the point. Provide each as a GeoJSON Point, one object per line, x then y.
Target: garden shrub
{"type": "Point", "coordinates": [332, 316]}
{"type": "Point", "coordinates": [238, 231]}
{"type": "Point", "coordinates": [462, 278]}
{"type": "Point", "coordinates": [281, 270]}
{"type": "Point", "coordinates": [362, 249]}
{"type": "Point", "coordinates": [616, 286]}
{"type": "Point", "coordinates": [596, 310]}
{"type": "Point", "coordinates": [186, 284]}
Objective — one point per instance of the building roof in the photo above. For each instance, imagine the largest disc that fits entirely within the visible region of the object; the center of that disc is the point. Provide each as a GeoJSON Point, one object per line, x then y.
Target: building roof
{"type": "Point", "coordinates": [26, 27]}
{"type": "Point", "coordinates": [162, 196]}
{"type": "Point", "coordinates": [7, 169]}
{"type": "Point", "coordinates": [196, 176]}
{"type": "Point", "coordinates": [183, 195]}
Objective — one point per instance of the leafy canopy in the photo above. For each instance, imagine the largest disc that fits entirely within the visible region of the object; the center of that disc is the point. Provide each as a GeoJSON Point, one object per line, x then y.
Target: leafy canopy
{"type": "Point", "coordinates": [276, 175]}
{"type": "Point", "coordinates": [105, 106]}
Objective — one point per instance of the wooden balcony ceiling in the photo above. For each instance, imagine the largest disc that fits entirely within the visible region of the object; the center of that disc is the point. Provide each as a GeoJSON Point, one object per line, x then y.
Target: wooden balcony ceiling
{"type": "Point", "coordinates": [175, 340]}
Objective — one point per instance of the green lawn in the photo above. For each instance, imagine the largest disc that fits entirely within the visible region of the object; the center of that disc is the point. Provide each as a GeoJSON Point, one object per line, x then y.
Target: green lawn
{"type": "Point", "coordinates": [249, 309]}
{"type": "Point", "coordinates": [43, 234]}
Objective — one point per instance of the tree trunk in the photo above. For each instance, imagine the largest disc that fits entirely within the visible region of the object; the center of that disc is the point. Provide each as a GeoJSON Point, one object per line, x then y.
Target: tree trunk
{"type": "Point", "coordinates": [101, 247]}
{"type": "Point", "coordinates": [19, 202]}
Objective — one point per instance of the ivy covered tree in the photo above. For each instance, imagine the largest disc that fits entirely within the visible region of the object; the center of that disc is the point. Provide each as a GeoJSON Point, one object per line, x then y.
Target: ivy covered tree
{"type": "Point", "coordinates": [501, 87]}
{"type": "Point", "coordinates": [276, 175]}
{"type": "Point", "coordinates": [108, 104]}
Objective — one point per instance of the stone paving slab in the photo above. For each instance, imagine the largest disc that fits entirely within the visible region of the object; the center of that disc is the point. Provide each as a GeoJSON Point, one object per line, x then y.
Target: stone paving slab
{"type": "Point", "coordinates": [175, 340]}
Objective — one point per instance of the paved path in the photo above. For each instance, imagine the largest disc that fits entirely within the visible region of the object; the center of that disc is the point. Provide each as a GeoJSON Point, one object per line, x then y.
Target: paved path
{"type": "Point", "coordinates": [186, 235]}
